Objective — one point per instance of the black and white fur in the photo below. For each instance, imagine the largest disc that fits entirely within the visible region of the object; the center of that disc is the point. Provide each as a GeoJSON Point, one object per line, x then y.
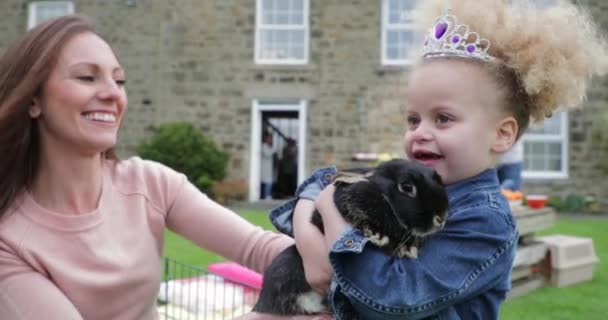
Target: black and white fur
{"type": "Point", "coordinates": [395, 205]}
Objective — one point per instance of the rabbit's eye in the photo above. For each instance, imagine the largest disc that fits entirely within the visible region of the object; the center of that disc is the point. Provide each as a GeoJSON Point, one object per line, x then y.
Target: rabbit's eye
{"type": "Point", "coordinates": [407, 188]}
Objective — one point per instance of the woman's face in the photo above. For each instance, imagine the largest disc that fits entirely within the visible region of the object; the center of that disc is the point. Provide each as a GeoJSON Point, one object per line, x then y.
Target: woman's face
{"type": "Point", "coordinates": [82, 103]}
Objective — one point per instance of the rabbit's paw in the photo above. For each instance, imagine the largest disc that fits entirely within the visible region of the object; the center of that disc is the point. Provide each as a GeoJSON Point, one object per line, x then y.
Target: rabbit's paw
{"type": "Point", "coordinates": [410, 252]}
{"type": "Point", "coordinates": [377, 238]}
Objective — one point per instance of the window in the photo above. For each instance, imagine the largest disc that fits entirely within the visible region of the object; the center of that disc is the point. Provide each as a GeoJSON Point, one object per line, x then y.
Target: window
{"type": "Point", "coordinates": [546, 148]}
{"type": "Point", "coordinates": [282, 32]}
{"type": "Point", "coordinates": [397, 31]}
{"type": "Point", "coordinates": [40, 11]}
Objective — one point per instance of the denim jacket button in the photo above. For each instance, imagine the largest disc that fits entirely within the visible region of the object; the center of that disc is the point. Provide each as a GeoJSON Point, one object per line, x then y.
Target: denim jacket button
{"type": "Point", "coordinates": [328, 176]}
{"type": "Point", "coordinates": [348, 242]}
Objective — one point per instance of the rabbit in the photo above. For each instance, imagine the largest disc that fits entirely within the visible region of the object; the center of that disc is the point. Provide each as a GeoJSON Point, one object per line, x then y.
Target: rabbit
{"type": "Point", "coordinates": [395, 205]}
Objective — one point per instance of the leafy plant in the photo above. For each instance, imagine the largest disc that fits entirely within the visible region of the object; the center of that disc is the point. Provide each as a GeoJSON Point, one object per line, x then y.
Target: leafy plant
{"type": "Point", "coordinates": [187, 150]}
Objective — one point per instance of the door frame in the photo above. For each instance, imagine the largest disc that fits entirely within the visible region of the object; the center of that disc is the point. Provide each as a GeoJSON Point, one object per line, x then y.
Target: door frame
{"type": "Point", "coordinates": [259, 106]}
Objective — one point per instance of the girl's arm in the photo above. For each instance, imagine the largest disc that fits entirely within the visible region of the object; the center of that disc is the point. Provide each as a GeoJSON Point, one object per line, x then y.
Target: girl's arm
{"type": "Point", "coordinates": [472, 254]}
{"type": "Point", "coordinates": [312, 247]}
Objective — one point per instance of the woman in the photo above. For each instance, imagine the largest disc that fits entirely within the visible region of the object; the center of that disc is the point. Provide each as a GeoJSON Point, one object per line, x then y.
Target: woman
{"type": "Point", "coordinates": [81, 232]}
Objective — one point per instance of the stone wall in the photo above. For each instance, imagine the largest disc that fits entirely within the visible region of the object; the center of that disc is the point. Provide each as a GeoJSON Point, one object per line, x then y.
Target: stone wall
{"type": "Point", "coordinates": [192, 60]}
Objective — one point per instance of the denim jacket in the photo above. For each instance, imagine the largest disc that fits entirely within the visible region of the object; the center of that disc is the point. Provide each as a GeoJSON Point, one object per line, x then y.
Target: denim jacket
{"type": "Point", "coordinates": [462, 272]}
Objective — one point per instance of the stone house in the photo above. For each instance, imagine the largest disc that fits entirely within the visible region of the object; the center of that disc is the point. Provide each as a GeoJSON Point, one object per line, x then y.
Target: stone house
{"type": "Point", "coordinates": [329, 74]}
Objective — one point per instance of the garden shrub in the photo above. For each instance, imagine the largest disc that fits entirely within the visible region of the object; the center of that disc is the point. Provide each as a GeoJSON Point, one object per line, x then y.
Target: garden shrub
{"type": "Point", "coordinates": [187, 150]}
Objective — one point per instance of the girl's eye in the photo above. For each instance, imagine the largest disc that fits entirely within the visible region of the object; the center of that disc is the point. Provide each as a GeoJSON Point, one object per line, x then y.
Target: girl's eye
{"type": "Point", "coordinates": [121, 82]}
{"type": "Point", "coordinates": [412, 121]}
{"type": "Point", "coordinates": [86, 78]}
{"type": "Point", "coordinates": [443, 119]}
{"type": "Point", "coordinates": [408, 188]}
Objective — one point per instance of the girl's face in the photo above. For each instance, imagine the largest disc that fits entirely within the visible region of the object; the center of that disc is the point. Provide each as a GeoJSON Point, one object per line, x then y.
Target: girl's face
{"type": "Point", "coordinates": [84, 99]}
{"type": "Point", "coordinates": [453, 118]}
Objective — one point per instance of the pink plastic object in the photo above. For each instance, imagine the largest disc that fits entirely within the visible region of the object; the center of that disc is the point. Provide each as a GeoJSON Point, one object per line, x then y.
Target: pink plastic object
{"type": "Point", "coordinates": [235, 272]}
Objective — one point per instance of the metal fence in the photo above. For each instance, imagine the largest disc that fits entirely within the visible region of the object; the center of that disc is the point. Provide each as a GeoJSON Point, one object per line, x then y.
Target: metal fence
{"type": "Point", "coordinates": [192, 293]}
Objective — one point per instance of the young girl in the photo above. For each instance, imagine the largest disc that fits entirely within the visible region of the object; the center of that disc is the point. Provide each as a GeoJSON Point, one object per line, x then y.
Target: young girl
{"type": "Point", "coordinates": [487, 67]}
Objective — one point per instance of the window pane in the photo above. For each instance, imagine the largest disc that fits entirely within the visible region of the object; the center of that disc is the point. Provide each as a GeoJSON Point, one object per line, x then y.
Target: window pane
{"type": "Point", "coordinates": [296, 52]}
{"type": "Point", "coordinates": [392, 53]}
{"type": "Point", "coordinates": [538, 164]}
{"type": "Point", "coordinates": [283, 30]}
{"type": "Point", "coordinates": [543, 156]}
{"type": "Point", "coordinates": [554, 149]}
{"type": "Point", "coordinates": [282, 44]}
{"type": "Point", "coordinates": [282, 17]}
{"type": "Point", "coordinates": [267, 5]}
{"type": "Point", "coordinates": [400, 11]}
{"type": "Point", "coordinates": [554, 163]}
{"type": "Point", "coordinates": [282, 5]}
{"type": "Point", "coordinates": [268, 18]}
{"type": "Point", "coordinates": [398, 43]}
{"type": "Point", "coordinates": [283, 12]}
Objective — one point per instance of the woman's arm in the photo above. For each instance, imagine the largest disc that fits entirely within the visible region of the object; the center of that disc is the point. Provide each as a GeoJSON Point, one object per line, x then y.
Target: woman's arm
{"type": "Point", "coordinates": [263, 316]}
{"type": "Point", "coordinates": [26, 294]}
{"type": "Point", "coordinates": [218, 229]}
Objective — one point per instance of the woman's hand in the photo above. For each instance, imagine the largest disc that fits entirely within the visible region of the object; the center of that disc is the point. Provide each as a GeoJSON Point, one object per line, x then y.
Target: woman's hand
{"type": "Point", "coordinates": [264, 316]}
{"type": "Point", "coordinates": [312, 247]}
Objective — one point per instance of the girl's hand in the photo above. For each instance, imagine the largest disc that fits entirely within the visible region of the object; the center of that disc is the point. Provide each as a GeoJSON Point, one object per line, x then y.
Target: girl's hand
{"type": "Point", "coordinates": [312, 247]}
{"type": "Point", "coordinates": [263, 316]}
{"type": "Point", "coordinates": [333, 222]}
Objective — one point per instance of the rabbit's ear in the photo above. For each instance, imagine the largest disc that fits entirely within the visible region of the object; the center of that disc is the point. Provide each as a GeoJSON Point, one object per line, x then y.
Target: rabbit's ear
{"type": "Point", "coordinates": [350, 177]}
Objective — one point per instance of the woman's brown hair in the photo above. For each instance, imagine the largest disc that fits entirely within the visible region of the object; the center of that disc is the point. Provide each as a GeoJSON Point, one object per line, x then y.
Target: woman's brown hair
{"type": "Point", "coordinates": [24, 68]}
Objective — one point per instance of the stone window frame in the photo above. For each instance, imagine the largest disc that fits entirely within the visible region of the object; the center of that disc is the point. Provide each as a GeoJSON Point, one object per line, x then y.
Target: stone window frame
{"type": "Point", "coordinates": [35, 6]}
{"type": "Point", "coordinates": [537, 135]}
{"type": "Point", "coordinates": [260, 27]}
{"type": "Point", "coordinates": [399, 27]}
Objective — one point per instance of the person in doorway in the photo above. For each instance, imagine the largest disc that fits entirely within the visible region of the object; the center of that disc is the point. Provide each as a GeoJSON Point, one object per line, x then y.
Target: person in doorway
{"type": "Point", "coordinates": [266, 166]}
{"type": "Point", "coordinates": [288, 168]}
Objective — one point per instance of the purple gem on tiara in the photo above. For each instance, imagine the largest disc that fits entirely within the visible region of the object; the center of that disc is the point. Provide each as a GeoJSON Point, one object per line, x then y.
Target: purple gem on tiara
{"type": "Point", "coordinates": [455, 39]}
{"type": "Point", "coordinates": [471, 48]}
{"type": "Point", "coordinates": [440, 29]}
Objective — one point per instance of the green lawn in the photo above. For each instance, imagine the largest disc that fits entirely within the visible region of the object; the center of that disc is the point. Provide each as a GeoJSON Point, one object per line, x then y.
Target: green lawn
{"type": "Point", "coordinates": [582, 301]}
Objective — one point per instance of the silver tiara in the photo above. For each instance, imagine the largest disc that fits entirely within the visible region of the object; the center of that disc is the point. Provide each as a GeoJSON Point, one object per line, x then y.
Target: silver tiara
{"type": "Point", "coordinates": [448, 38]}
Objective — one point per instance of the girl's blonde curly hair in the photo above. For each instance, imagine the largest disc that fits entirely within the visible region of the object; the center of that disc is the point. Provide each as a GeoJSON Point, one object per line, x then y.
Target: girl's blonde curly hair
{"type": "Point", "coordinates": [548, 53]}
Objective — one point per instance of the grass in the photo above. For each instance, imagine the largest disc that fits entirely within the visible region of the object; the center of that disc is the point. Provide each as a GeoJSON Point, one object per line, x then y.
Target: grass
{"type": "Point", "coordinates": [582, 301]}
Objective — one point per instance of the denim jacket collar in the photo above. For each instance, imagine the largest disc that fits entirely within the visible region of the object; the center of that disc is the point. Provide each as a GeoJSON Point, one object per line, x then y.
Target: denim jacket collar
{"type": "Point", "coordinates": [487, 179]}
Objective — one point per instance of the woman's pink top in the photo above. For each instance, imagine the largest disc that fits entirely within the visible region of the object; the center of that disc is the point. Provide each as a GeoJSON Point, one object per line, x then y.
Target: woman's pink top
{"type": "Point", "coordinates": [106, 264]}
